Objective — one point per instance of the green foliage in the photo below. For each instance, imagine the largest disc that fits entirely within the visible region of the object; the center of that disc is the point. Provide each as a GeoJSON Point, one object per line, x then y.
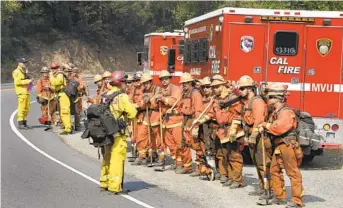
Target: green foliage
{"type": "Point", "coordinates": [98, 22]}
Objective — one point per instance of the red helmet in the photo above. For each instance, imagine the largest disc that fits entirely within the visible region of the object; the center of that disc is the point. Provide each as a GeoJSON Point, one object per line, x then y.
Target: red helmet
{"type": "Point", "coordinates": [117, 77]}
{"type": "Point", "coordinates": [53, 65]}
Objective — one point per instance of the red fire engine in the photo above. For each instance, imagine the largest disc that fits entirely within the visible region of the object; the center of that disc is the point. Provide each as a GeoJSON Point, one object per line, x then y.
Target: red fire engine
{"type": "Point", "coordinates": [302, 49]}
{"type": "Point", "coordinates": [157, 48]}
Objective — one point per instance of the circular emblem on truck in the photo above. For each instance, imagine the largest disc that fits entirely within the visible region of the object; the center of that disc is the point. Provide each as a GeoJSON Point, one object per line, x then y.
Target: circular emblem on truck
{"type": "Point", "coordinates": [247, 43]}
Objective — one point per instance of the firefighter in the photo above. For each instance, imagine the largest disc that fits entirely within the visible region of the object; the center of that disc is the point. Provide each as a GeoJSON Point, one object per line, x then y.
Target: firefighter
{"type": "Point", "coordinates": [148, 138]}
{"type": "Point", "coordinates": [191, 106]}
{"type": "Point", "coordinates": [112, 166]}
{"type": "Point", "coordinates": [81, 89]}
{"type": "Point", "coordinates": [255, 113]}
{"type": "Point", "coordinates": [129, 86]}
{"type": "Point", "coordinates": [106, 77]}
{"type": "Point", "coordinates": [21, 83]}
{"type": "Point", "coordinates": [137, 98]}
{"type": "Point", "coordinates": [45, 97]}
{"type": "Point", "coordinates": [287, 154]}
{"type": "Point", "coordinates": [58, 82]}
{"type": "Point", "coordinates": [169, 96]}
{"type": "Point", "coordinates": [99, 82]}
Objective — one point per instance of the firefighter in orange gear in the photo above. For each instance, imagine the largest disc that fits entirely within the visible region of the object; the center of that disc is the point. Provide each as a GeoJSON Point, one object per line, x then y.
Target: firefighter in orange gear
{"type": "Point", "coordinates": [170, 96]}
{"type": "Point", "coordinates": [45, 97]}
{"type": "Point", "coordinates": [21, 83]}
{"type": "Point", "coordinates": [206, 130]}
{"type": "Point", "coordinates": [98, 81]}
{"type": "Point", "coordinates": [146, 142]}
{"type": "Point", "coordinates": [106, 77]}
{"type": "Point", "coordinates": [137, 98]}
{"type": "Point", "coordinates": [255, 113]}
{"type": "Point", "coordinates": [129, 85]}
{"type": "Point", "coordinates": [81, 89]}
{"type": "Point", "coordinates": [287, 154]}
{"type": "Point", "coordinates": [191, 106]}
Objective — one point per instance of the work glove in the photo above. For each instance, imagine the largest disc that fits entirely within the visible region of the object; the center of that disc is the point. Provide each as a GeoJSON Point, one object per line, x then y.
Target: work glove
{"type": "Point", "coordinates": [195, 132]}
{"type": "Point", "coordinates": [233, 130]}
{"type": "Point", "coordinates": [260, 128]}
{"type": "Point", "coordinates": [146, 99]}
{"type": "Point", "coordinates": [252, 137]}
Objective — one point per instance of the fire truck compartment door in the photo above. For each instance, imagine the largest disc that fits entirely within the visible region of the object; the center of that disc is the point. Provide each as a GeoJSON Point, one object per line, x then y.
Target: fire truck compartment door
{"type": "Point", "coordinates": [247, 44]}
{"type": "Point", "coordinates": [323, 75]}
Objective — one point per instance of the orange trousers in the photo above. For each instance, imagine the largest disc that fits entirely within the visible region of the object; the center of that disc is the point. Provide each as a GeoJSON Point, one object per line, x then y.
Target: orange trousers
{"type": "Point", "coordinates": [198, 146]}
{"type": "Point", "coordinates": [46, 110]}
{"type": "Point", "coordinates": [256, 154]}
{"type": "Point", "coordinates": [285, 157]}
{"type": "Point", "coordinates": [221, 156]}
{"type": "Point", "coordinates": [235, 161]}
{"type": "Point", "coordinates": [144, 143]}
{"type": "Point", "coordinates": [181, 155]}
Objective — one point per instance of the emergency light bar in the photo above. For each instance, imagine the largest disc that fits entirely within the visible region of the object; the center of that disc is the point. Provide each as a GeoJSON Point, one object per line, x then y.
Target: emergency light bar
{"type": "Point", "coordinates": [289, 19]}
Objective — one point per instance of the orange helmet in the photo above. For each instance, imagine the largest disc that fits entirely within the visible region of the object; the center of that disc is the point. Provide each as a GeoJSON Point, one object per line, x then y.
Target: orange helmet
{"type": "Point", "coordinates": [117, 77]}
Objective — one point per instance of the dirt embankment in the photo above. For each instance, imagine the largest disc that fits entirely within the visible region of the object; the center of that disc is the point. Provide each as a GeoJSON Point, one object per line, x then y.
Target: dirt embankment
{"type": "Point", "coordinates": [90, 58]}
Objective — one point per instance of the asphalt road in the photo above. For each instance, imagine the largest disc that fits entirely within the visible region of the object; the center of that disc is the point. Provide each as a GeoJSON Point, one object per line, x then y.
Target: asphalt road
{"type": "Point", "coordinates": [51, 174]}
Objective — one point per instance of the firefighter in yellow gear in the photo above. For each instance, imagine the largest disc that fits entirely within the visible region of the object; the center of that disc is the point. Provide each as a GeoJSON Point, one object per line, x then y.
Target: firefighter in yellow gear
{"type": "Point", "coordinates": [21, 85]}
{"type": "Point", "coordinates": [112, 166]}
{"type": "Point", "coordinates": [58, 82]}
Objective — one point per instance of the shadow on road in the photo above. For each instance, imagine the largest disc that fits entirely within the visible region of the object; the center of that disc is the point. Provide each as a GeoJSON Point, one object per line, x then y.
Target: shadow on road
{"type": "Point", "coordinates": [137, 185]}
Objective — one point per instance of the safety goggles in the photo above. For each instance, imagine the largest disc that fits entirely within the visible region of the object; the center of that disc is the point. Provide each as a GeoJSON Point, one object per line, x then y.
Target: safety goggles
{"type": "Point", "coordinates": [164, 78]}
{"type": "Point", "coordinates": [206, 87]}
{"type": "Point", "coordinates": [243, 88]}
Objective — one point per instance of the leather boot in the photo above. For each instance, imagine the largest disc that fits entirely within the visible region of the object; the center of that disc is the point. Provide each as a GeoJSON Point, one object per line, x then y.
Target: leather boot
{"type": "Point", "coordinates": [21, 125]}
{"type": "Point", "coordinates": [227, 183]}
{"type": "Point", "coordinates": [183, 171]}
{"type": "Point", "coordinates": [293, 205]}
{"type": "Point", "coordinates": [139, 161]}
{"type": "Point", "coordinates": [223, 179]}
{"type": "Point", "coordinates": [27, 126]}
{"type": "Point", "coordinates": [195, 174]}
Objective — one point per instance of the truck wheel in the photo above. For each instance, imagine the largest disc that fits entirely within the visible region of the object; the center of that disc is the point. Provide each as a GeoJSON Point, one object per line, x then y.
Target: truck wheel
{"type": "Point", "coordinates": [308, 158]}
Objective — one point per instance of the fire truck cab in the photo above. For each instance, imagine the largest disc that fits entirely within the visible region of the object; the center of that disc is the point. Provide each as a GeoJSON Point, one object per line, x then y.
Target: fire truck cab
{"type": "Point", "coordinates": [162, 51]}
{"type": "Point", "coordinates": [301, 49]}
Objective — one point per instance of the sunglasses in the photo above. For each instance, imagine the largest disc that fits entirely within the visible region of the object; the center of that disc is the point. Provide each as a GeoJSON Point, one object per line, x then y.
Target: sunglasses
{"type": "Point", "coordinates": [242, 88]}
{"type": "Point", "coordinates": [164, 78]}
{"type": "Point", "coordinates": [207, 87]}
{"type": "Point", "coordinates": [129, 82]}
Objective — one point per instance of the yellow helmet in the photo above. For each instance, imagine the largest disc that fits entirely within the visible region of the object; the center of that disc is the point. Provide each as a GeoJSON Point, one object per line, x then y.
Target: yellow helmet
{"type": "Point", "coordinates": [106, 74]}
{"type": "Point", "coordinates": [246, 81]}
{"type": "Point", "coordinates": [205, 81]}
{"type": "Point", "coordinates": [45, 69]}
{"type": "Point", "coordinates": [186, 77]}
{"type": "Point", "coordinates": [276, 89]}
{"type": "Point", "coordinates": [145, 78]}
{"type": "Point", "coordinates": [165, 73]}
{"type": "Point", "coordinates": [218, 80]}
{"type": "Point", "coordinates": [97, 78]}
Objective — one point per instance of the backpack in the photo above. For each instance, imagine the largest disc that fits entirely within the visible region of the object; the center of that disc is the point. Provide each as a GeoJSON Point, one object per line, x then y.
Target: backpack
{"type": "Point", "coordinates": [71, 88]}
{"type": "Point", "coordinates": [101, 124]}
{"type": "Point", "coordinates": [306, 135]}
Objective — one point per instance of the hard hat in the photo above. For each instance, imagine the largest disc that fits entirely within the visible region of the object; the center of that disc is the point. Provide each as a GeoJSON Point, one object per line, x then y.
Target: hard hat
{"type": "Point", "coordinates": [117, 77]}
{"type": "Point", "coordinates": [53, 65]}
{"type": "Point", "coordinates": [205, 81]}
{"type": "Point", "coordinates": [137, 75]}
{"type": "Point", "coordinates": [44, 70]}
{"type": "Point", "coordinates": [66, 68]}
{"type": "Point", "coordinates": [75, 69]}
{"type": "Point", "coordinates": [145, 78]}
{"type": "Point", "coordinates": [246, 81]}
{"type": "Point", "coordinates": [21, 60]}
{"type": "Point", "coordinates": [106, 74]}
{"type": "Point", "coordinates": [217, 80]}
{"type": "Point", "coordinates": [276, 89]}
{"type": "Point", "coordinates": [165, 73]}
{"type": "Point", "coordinates": [97, 78]}
{"type": "Point", "coordinates": [186, 77]}
{"type": "Point", "coordinates": [129, 78]}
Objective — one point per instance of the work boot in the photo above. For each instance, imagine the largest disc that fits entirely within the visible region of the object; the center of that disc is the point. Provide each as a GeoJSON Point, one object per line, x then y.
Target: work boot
{"type": "Point", "coordinates": [139, 161]}
{"type": "Point", "coordinates": [124, 191]}
{"type": "Point", "coordinates": [102, 189]}
{"type": "Point", "coordinates": [77, 128]}
{"type": "Point", "coordinates": [195, 174]}
{"type": "Point", "coordinates": [21, 125]}
{"type": "Point", "coordinates": [172, 167]}
{"type": "Point", "coordinates": [27, 126]}
{"type": "Point", "coordinates": [279, 201]}
{"type": "Point", "coordinates": [227, 183]}
{"type": "Point", "coordinates": [65, 133]}
{"type": "Point", "coordinates": [217, 177]}
{"type": "Point", "coordinates": [183, 171]}
{"type": "Point", "coordinates": [159, 163]}
{"type": "Point", "coordinates": [262, 199]}
{"type": "Point", "coordinates": [131, 159]}
{"type": "Point", "coordinates": [236, 185]}
{"type": "Point", "coordinates": [292, 205]}
{"type": "Point", "coordinates": [223, 179]}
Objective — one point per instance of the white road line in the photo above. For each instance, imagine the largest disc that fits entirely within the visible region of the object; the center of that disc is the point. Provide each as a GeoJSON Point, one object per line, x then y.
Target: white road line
{"type": "Point", "coordinates": [15, 130]}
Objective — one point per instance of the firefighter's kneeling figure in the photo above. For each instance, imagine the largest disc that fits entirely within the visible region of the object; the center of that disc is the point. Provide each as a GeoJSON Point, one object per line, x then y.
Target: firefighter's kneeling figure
{"type": "Point", "coordinates": [106, 126]}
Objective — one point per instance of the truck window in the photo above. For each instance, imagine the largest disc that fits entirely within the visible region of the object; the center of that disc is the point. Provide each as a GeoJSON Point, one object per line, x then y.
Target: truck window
{"type": "Point", "coordinates": [195, 51]}
{"type": "Point", "coordinates": [181, 47]}
{"type": "Point", "coordinates": [203, 50]}
{"type": "Point", "coordinates": [286, 43]}
{"type": "Point", "coordinates": [187, 52]}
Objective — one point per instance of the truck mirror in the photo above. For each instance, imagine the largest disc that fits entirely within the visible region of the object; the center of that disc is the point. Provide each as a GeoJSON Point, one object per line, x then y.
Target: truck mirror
{"type": "Point", "coordinates": [139, 58]}
{"type": "Point", "coordinates": [171, 60]}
